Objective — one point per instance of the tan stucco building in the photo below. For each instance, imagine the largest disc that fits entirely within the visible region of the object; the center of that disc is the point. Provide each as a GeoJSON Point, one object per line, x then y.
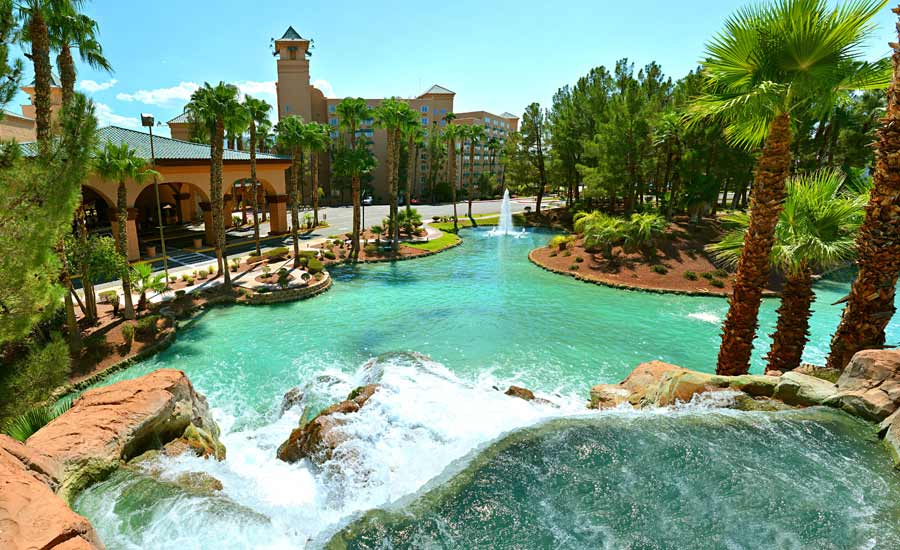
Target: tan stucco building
{"type": "Point", "coordinates": [22, 127]}
{"type": "Point", "coordinates": [297, 96]}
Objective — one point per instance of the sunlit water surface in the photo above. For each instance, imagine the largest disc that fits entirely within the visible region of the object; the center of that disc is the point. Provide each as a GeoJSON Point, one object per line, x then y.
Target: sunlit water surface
{"type": "Point", "coordinates": [488, 318]}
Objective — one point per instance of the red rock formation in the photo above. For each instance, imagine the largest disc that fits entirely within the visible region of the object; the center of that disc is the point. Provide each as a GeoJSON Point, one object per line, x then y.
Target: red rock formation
{"type": "Point", "coordinates": [31, 515]}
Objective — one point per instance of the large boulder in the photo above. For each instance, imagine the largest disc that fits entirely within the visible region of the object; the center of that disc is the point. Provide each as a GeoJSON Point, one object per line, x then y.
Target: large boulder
{"type": "Point", "coordinates": [31, 515]}
{"type": "Point", "coordinates": [107, 426]}
{"type": "Point", "coordinates": [796, 388]}
{"type": "Point", "coordinates": [870, 385]}
{"type": "Point", "coordinates": [661, 384]}
{"type": "Point", "coordinates": [318, 438]}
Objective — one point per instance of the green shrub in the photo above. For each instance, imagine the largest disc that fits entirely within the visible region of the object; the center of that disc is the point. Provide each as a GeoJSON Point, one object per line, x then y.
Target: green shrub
{"type": "Point", "coordinates": [579, 259]}
{"type": "Point", "coordinates": [718, 283]}
{"type": "Point", "coordinates": [283, 278]}
{"type": "Point", "coordinates": [377, 229]}
{"type": "Point", "coordinates": [263, 290]}
{"type": "Point", "coordinates": [187, 279]}
{"type": "Point", "coordinates": [371, 250]}
{"type": "Point", "coordinates": [329, 254]}
{"type": "Point", "coordinates": [180, 292]}
{"type": "Point", "coordinates": [30, 379]}
{"type": "Point", "coordinates": [690, 275]}
{"type": "Point", "coordinates": [309, 253]}
{"type": "Point", "coordinates": [709, 275]}
{"type": "Point", "coordinates": [720, 273]}
{"type": "Point", "coordinates": [266, 272]}
{"type": "Point", "coordinates": [567, 253]}
{"type": "Point", "coordinates": [279, 253]}
{"type": "Point", "coordinates": [573, 267]}
{"type": "Point", "coordinates": [146, 328]}
{"type": "Point", "coordinates": [172, 279]}
{"type": "Point", "coordinates": [235, 264]}
{"type": "Point", "coordinates": [315, 266]}
{"type": "Point", "coordinates": [108, 296]}
{"type": "Point", "coordinates": [553, 254]}
{"type": "Point", "coordinates": [128, 334]}
{"type": "Point", "coordinates": [25, 425]}
{"type": "Point", "coordinates": [561, 242]}
{"type": "Point", "coordinates": [337, 242]}
{"type": "Point", "coordinates": [202, 274]}
{"type": "Point", "coordinates": [660, 269]}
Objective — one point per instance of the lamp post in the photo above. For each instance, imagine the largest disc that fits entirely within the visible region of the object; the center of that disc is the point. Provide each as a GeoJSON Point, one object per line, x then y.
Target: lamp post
{"type": "Point", "coordinates": [147, 121]}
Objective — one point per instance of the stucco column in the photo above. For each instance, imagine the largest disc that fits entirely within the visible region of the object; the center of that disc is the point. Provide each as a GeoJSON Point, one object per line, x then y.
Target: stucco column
{"type": "Point", "coordinates": [185, 207]}
{"type": "Point", "coordinates": [277, 214]}
{"type": "Point", "coordinates": [209, 232]}
{"type": "Point", "coordinates": [132, 245]}
{"type": "Point", "coordinates": [261, 196]}
{"type": "Point", "coordinates": [228, 210]}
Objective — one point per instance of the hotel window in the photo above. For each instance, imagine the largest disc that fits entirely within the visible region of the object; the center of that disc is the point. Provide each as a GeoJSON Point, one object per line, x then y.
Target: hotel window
{"type": "Point", "coordinates": [487, 119]}
{"type": "Point", "coordinates": [443, 123]}
{"type": "Point", "coordinates": [331, 108]}
{"type": "Point", "coordinates": [424, 108]}
{"type": "Point", "coordinates": [425, 120]}
{"type": "Point", "coordinates": [369, 133]}
{"type": "Point", "coordinates": [443, 111]}
{"type": "Point", "coordinates": [334, 122]}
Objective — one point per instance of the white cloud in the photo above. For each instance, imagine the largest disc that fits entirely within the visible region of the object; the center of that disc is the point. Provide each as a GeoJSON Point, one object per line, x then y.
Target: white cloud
{"type": "Point", "coordinates": [162, 96]}
{"type": "Point", "coordinates": [106, 117]}
{"type": "Point", "coordinates": [92, 86]}
{"type": "Point", "coordinates": [257, 89]}
{"type": "Point", "coordinates": [325, 86]}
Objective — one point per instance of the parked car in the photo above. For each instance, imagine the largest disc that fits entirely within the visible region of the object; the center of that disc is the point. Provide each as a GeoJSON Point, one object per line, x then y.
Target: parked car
{"type": "Point", "coordinates": [367, 201]}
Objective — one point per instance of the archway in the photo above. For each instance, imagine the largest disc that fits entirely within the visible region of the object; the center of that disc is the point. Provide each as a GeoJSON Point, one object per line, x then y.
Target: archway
{"type": "Point", "coordinates": [99, 210]}
{"type": "Point", "coordinates": [182, 214]}
{"type": "Point", "coordinates": [241, 192]}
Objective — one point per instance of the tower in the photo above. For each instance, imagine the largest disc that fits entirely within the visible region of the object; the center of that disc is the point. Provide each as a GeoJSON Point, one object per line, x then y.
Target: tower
{"type": "Point", "coordinates": [293, 87]}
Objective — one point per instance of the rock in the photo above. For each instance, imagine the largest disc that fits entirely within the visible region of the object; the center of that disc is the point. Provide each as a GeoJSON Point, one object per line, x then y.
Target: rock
{"type": "Point", "coordinates": [109, 425]}
{"type": "Point", "coordinates": [291, 399]}
{"type": "Point", "coordinates": [198, 482]}
{"type": "Point", "coordinates": [824, 373]}
{"type": "Point", "coordinates": [608, 396]}
{"type": "Point", "coordinates": [197, 441]}
{"type": "Point", "coordinates": [889, 429]}
{"type": "Point", "coordinates": [870, 385]}
{"type": "Point", "coordinates": [796, 388]}
{"type": "Point", "coordinates": [31, 515]}
{"type": "Point", "coordinates": [521, 393]}
{"type": "Point", "coordinates": [744, 402]}
{"type": "Point", "coordinates": [661, 384]}
{"type": "Point", "coordinates": [318, 438]}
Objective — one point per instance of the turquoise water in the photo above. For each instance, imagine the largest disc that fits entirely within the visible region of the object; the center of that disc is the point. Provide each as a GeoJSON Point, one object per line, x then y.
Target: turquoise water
{"type": "Point", "coordinates": [487, 317]}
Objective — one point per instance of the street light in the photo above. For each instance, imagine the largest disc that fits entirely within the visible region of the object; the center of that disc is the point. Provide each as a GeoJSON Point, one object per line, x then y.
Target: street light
{"type": "Point", "coordinates": [147, 121]}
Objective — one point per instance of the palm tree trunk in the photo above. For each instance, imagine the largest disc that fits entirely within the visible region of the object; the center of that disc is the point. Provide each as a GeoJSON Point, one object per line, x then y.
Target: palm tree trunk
{"type": "Point", "coordinates": [354, 241]}
{"type": "Point", "coordinates": [314, 168]}
{"type": "Point", "coordinates": [254, 186]}
{"type": "Point", "coordinates": [394, 181]}
{"type": "Point", "coordinates": [451, 160]}
{"type": "Point", "coordinates": [471, 179]}
{"type": "Point", "coordinates": [90, 298]}
{"type": "Point", "coordinates": [766, 201]}
{"type": "Point", "coordinates": [122, 215]}
{"type": "Point", "coordinates": [292, 204]}
{"type": "Point", "coordinates": [792, 329]}
{"type": "Point", "coordinates": [871, 302]}
{"type": "Point", "coordinates": [411, 161]}
{"type": "Point", "coordinates": [218, 213]}
{"type": "Point", "coordinates": [40, 54]}
{"type": "Point", "coordinates": [66, 73]}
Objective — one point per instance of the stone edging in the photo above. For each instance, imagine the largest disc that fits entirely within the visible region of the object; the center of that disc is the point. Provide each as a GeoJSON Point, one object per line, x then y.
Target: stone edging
{"type": "Point", "coordinates": [623, 286]}
{"type": "Point", "coordinates": [424, 254]}
{"type": "Point", "coordinates": [288, 295]}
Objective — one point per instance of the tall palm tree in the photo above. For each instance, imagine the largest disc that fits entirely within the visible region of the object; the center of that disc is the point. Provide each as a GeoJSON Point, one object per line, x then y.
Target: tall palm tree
{"type": "Point", "coordinates": [476, 134]}
{"type": "Point", "coordinates": [33, 16]}
{"type": "Point", "coordinates": [493, 146]}
{"type": "Point", "coordinates": [669, 134]}
{"type": "Point", "coordinates": [257, 117]}
{"type": "Point", "coordinates": [75, 30]}
{"type": "Point", "coordinates": [120, 163]}
{"type": "Point", "coordinates": [414, 134]}
{"type": "Point", "coordinates": [291, 139]}
{"type": "Point", "coordinates": [768, 62]}
{"type": "Point", "coordinates": [815, 233]}
{"type": "Point", "coordinates": [352, 111]}
{"type": "Point", "coordinates": [393, 115]}
{"type": "Point", "coordinates": [212, 107]}
{"type": "Point", "coordinates": [870, 305]}
{"type": "Point", "coordinates": [318, 142]}
{"type": "Point", "coordinates": [451, 133]}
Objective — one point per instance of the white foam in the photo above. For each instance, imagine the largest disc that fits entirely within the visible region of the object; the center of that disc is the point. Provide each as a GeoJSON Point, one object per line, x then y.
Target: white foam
{"type": "Point", "coordinates": [706, 316]}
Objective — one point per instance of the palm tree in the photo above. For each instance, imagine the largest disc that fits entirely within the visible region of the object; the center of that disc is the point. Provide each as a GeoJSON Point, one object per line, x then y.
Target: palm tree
{"type": "Point", "coordinates": [75, 30]}
{"type": "Point", "coordinates": [120, 163]}
{"type": "Point", "coordinates": [393, 115]}
{"type": "Point", "coordinates": [669, 134]}
{"type": "Point", "coordinates": [145, 281]}
{"type": "Point", "coordinates": [815, 233]}
{"type": "Point", "coordinates": [414, 134]}
{"type": "Point", "coordinates": [870, 305]}
{"type": "Point", "coordinates": [258, 117]}
{"type": "Point", "coordinates": [291, 139]}
{"type": "Point", "coordinates": [211, 107]}
{"type": "Point", "coordinates": [769, 62]}
{"type": "Point", "coordinates": [318, 142]}
{"type": "Point", "coordinates": [475, 134]}
{"type": "Point", "coordinates": [352, 111]}
{"type": "Point", "coordinates": [493, 145]}
{"type": "Point", "coordinates": [451, 133]}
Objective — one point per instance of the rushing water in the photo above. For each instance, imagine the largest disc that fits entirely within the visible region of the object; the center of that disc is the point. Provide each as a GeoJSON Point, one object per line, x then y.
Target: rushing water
{"type": "Point", "coordinates": [488, 318]}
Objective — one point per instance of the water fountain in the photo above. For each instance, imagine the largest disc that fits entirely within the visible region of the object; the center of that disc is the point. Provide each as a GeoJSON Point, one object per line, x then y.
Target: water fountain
{"type": "Point", "coordinates": [505, 227]}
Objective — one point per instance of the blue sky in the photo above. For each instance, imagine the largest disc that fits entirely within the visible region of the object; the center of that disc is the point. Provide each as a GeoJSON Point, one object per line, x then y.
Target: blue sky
{"type": "Point", "coordinates": [497, 55]}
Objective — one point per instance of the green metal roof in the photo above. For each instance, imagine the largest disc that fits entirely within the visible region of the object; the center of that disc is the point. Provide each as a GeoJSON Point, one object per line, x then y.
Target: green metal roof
{"type": "Point", "coordinates": [291, 34]}
{"type": "Point", "coordinates": [165, 148]}
{"type": "Point", "coordinates": [437, 89]}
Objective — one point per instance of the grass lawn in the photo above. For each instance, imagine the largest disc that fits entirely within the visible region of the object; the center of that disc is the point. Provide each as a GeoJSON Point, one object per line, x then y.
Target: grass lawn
{"type": "Point", "coordinates": [444, 241]}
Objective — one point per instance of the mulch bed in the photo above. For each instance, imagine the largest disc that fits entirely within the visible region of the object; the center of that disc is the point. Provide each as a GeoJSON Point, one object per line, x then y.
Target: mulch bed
{"type": "Point", "coordinates": [680, 252]}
